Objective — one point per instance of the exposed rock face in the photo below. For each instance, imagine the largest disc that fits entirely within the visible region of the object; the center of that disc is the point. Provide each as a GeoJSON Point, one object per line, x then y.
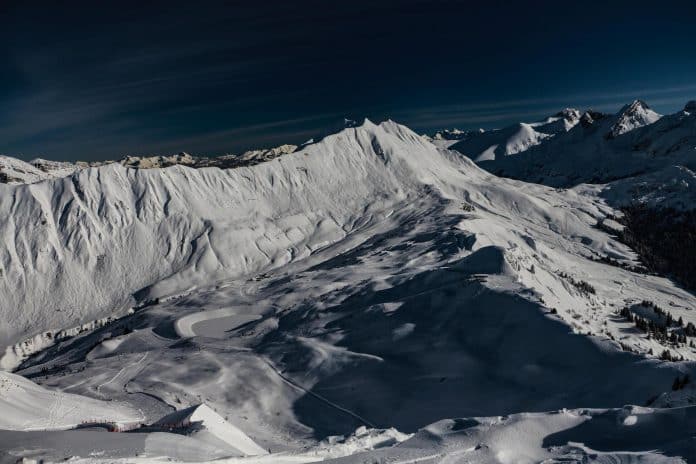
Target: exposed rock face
{"type": "Point", "coordinates": [456, 134]}
{"type": "Point", "coordinates": [149, 162]}
{"type": "Point", "coordinates": [569, 114]}
{"type": "Point", "coordinates": [248, 158]}
{"type": "Point", "coordinates": [15, 171]}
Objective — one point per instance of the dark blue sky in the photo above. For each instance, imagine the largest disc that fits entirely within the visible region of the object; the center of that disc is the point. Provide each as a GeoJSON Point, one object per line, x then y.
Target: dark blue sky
{"type": "Point", "coordinates": [98, 80]}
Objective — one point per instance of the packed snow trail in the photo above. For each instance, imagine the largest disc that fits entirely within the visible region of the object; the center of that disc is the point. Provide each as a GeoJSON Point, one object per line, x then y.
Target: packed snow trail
{"type": "Point", "coordinates": [126, 373]}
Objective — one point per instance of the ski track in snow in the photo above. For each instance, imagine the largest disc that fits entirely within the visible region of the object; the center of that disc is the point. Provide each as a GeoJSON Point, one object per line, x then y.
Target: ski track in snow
{"type": "Point", "coordinates": [124, 374]}
{"type": "Point", "coordinates": [319, 397]}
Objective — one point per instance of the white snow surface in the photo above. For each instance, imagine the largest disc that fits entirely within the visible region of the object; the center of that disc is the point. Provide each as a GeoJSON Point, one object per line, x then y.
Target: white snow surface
{"type": "Point", "coordinates": [673, 187]}
{"type": "Point", "coordinates": [105, 233]}
{"type": "Point", "coordinates": [15, 171]}
{"type": "Point", "coordinates": [201, 415]}
{"type": "Point", "coordinates": [633, 116]}
{"type": "Point", "coordinates": [367, 286]}
{"type": "Point", "coordinates": [27, 406]}
{"type": "Point", "coordinates": [504, 142]}
{"type": "Point", "coordinates": [490, 145]}
{"type": "Point", "coordinates": [562, 121]}
{"type": "Point", "coordinates": [629, 434]}
{"type": "Point", "coordinates": [602, 147]}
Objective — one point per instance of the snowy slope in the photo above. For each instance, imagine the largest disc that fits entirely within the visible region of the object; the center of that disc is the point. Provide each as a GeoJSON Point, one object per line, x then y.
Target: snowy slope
{"type": "Point", "coordinates": [494, 144]}
{"type": "Point", "coordinates": [489, 145]}
{"type": "Point", "coordinates": [633, 116]}
{"type": "Point", "coordinates": [14, 171]}
{"type": "Point", "coordinates": [211, 423]}
{"type": "Point", "coordinates": [671, 187]}
{"type": "Point", "coordinates": [27, 406]}
{"type": "Point", "coordinates": [630, 434]}
{"type": "Point", "coordinates": [370, 279]}
{"type": "Point", "coordinates": [604, 147]}
{"type": "Point", "coordinates": [562, 121]}
{"type": "Point", "coordinates": [84, 244]}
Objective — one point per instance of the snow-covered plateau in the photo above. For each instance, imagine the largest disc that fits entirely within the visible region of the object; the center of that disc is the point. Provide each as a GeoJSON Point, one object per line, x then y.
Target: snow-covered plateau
{"type": "Point", "coordinates": [373, 296]}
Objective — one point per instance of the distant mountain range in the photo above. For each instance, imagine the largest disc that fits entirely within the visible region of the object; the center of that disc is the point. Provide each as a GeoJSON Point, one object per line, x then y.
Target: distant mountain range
{"type": "Point", "coordinates": [15, 171]}
{"type": "Point", "coordinates": [570, 147]}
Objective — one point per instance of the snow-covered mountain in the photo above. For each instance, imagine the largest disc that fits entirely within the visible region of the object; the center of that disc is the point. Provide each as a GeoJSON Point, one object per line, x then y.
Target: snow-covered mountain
{"type": "Point", "coordinates": [494, 144]}
{"type": "Point", "coordinates": [649, 157]}
{"type": "Point", "coordinates": [332, 301]}
{"type": "Point", "coordinates": [603, 147]}
{"type": "Point", "coordinates": [15, 171]}
{"type": "Point", "coordinates": [633, 116]}
{"type": "Point", "coordinates": [455, 134]}
{"type": "Point", "coordinates": [562, 121]}
{"type": "Point", "coordinates": [490, 145]}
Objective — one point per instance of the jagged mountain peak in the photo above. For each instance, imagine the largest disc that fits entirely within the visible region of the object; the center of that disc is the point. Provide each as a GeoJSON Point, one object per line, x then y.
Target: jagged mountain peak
{"type": "Point", "coordinates": [456, 134]}
{"type": "Point", "coordinates": [586, 119]}
{"type": "Point", "coordinates": [635, 105]}
{"type": "Point", "coordinates": [632, 116]}
{"type": "Point", "coordinates": [590, 117]}
{"type": "Point", "coordinates": [602, 147]}
{"type": "Point", "coordinates": [569, 113]}
{"type": "Point", "coordinates": [560, 122]}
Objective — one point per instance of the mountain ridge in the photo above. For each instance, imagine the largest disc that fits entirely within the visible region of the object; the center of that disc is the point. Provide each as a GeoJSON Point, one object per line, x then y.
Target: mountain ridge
{"type": "Point", "coordinates": [598, 148]}
{"type": "Point", "coordinates": [370, 261]}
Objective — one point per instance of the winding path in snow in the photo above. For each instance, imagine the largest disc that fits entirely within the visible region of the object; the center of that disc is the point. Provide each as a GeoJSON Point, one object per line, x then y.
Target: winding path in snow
{"type": "Point", "coordinates": [125, 373]}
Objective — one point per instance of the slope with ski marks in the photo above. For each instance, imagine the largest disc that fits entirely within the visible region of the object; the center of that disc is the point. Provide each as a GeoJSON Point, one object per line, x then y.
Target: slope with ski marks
{"type": "Point", "coordinates": [27, 406]}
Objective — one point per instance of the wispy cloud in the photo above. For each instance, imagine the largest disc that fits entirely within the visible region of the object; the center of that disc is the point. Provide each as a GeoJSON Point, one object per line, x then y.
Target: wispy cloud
{"type": "Point", "coordinates": [100, 82]}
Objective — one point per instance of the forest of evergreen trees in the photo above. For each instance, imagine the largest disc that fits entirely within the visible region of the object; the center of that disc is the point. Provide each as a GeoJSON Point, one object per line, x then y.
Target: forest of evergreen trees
{"type": "Point", "coordinates": [665, 239]}
{"type": "Point", "coordinates": [662, 327]}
